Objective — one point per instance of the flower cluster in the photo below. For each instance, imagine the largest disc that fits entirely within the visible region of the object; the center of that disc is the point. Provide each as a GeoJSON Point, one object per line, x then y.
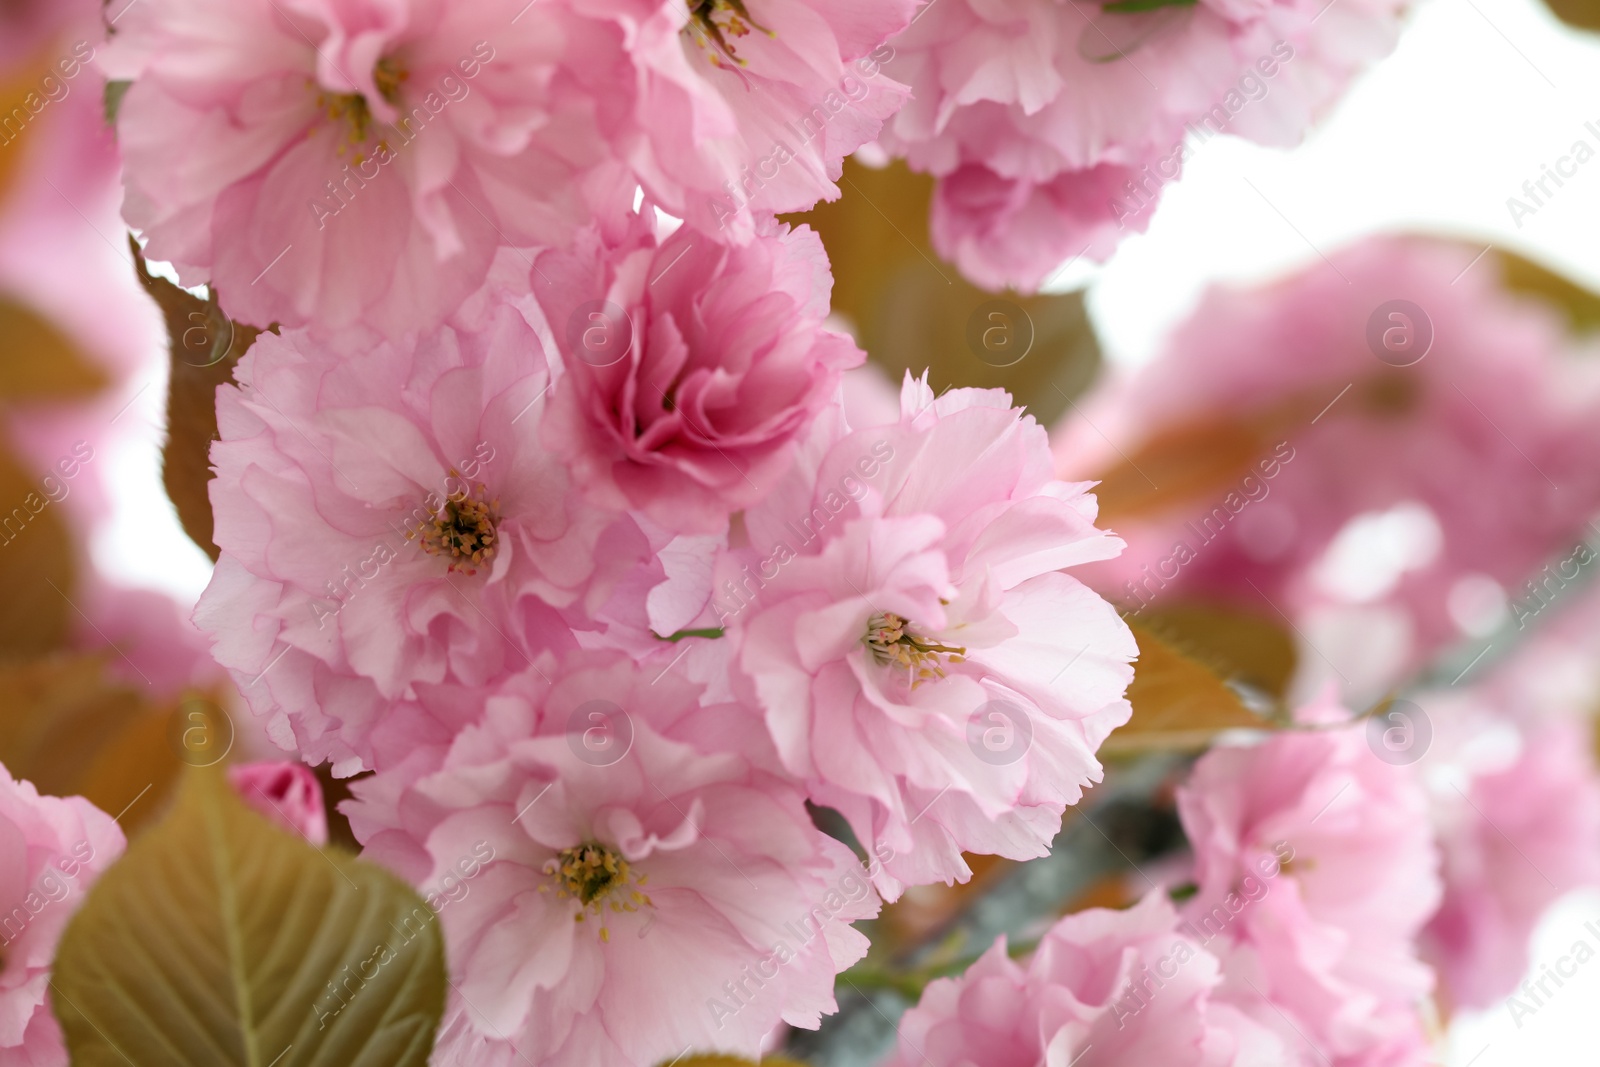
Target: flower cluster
{"type": "Point", "coordinates": [1053, 126]}
{"type": "Point", "coordinates": [540, 500]}
{"type": "Point", "coordinates": [488, 569]}
{"type": "Point", "coordinates": [540, 507]}
{"type": "Point", "coordinates": [1314, 872]}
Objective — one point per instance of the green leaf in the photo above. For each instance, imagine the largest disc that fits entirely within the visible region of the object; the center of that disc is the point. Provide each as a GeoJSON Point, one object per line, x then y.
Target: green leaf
{"type": "Point", "coordinates": [220, 940]}
{"type": "Point", "coordinates": [203, 345]}
{"type": "Point", "coordinates": [712, 632]}
{"type": "Point", "coordinates": [115, 91]}
{"type": "Point", "coordinates": [1129, 7]}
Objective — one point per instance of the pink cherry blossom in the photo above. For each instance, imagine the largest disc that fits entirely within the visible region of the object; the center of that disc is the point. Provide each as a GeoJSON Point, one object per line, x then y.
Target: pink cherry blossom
{"type": "Point", "coordinates": [51, 849]}
{"type": "Point", "coordinates": [1517, 837]}
{"type": "Point", "coordinates": [727, 110]}
{"type": "Point", "coordinates": [1053, 127]}
{"type": "Point", "coordinates": [391, 519]}
{"type": "Point", "coordinates": [1492, 397]}
{"type": "Point", "coordinates": [1316, 869]}
{"type": "Point", "coordinates": [154, 643]}
{"type": "Point", "coordinates": [286, 792]}
{"type": "Point", "coordinates": [639, 896]}
{"type": "Point", "coordinates": [1013, 232]}
{"type": "Point", "coordinates": [1103, 989]}
{"type": "Point", "coordinates": [923, 664]}
{"type": "Point", "coordinates": [690, 368]}
{"type": "Point", "coordinates": [333, 163]}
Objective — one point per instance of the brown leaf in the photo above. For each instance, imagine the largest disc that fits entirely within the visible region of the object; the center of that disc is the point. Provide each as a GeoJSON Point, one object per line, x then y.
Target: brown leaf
{"type": "Point", "coordinates": [923, 910]}
{"type": "Point", "coordinates": [1241, 647]}
{"type": "Point", "coordinates": [1206, 456]}
{"type": "Point", "coordinates": [203, 345]}
{"type": "Point", "coordinates": [1584, 14]}
{"type": "Point", "coordinates": [1178, 702]}
{"type": "Point", "coordinates": [14, 142]}
{"type": "Point", "coordinates": [40, 363]}
{"type": "Point", "coordinates": [913, 312]}
{"type": "Point", "coordinates": [36, 565]}
{"type": "Point", "coordinates": [1580, 306]}
{"type": "Point", "coordinates": [72, 731]}
{"type": "Point", "coordinates": [1201, 459]}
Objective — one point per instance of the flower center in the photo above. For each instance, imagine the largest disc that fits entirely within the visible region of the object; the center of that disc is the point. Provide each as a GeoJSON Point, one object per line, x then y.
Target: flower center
{"type": "Point", "coordinates": [717, 21]}
{"type": "Point", "coordinates": [352, 110]}
{"type": "Point", "coordinates": [598, 878]}
{"type": "Point", "coordinates": [463, 529]}
{"type": "Point", "coordinates": [894, 642]}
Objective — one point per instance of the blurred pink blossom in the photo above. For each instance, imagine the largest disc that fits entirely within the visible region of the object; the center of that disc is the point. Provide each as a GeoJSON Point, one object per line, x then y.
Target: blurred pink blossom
{"type": "Point", "coordinates": [1316, 870]}
{"type": "Point", "coordinates": [51, 850]}
{"type": "Point", "coordinates": [1519, 836]}
{"type": "Point", "coordinates": [1102, 989]}
{"type": "Point", "coordinates": [1477, 451]}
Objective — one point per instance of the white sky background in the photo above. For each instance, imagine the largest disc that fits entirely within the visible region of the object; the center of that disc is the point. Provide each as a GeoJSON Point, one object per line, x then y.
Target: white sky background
{"type": "Point", "coordinates": [1478, 95]}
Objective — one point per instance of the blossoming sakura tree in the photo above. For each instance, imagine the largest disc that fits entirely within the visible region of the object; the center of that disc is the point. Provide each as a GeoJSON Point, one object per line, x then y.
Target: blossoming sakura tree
{"type": "Point", "coordinates": [682, 588]}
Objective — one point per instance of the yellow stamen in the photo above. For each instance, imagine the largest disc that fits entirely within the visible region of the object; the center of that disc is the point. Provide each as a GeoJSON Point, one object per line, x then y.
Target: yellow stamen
{"type": "Point", "coordinates": [892, 641]}
{"type": "Point", "coordinates": [463, 529]}
{"type": "Point", "coordinates": [593, 874]}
